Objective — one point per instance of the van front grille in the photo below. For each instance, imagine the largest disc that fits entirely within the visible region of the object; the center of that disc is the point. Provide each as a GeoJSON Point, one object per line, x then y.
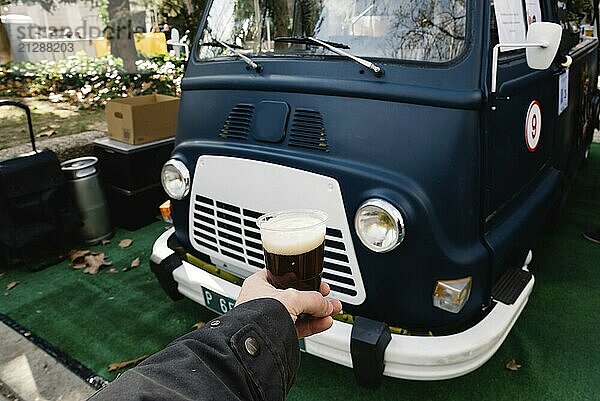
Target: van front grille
{"type": "Point", "coordinates": [237, 125]}
{"type": "Point", "coordinates": [231, 231]}
{"type": "Point", "coordinates": [308, 130]}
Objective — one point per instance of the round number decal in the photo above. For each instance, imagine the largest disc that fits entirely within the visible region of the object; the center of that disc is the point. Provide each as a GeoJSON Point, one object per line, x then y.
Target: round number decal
{"type": "Point", "coordinates": [533, 126]}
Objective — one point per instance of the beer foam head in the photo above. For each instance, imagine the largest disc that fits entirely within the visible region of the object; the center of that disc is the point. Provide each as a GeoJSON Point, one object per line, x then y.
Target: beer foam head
{"type": "Point", "coordinates": [293, 232]}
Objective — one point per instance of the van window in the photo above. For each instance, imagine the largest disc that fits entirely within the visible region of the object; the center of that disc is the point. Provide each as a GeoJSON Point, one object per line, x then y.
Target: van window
{"type": "Point", "coordinates": [419, 30]}
{"type": "Point", "coordinates": [513, 18]}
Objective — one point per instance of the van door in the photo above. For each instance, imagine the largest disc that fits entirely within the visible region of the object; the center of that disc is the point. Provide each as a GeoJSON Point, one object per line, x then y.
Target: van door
{"type": "Point", "coordinates": [578, 84]}
{"type": "Point", "coordinates": [519, 139]}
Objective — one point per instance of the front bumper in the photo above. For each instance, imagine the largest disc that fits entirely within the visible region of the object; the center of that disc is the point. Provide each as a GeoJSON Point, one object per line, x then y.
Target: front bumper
{"type": "Point", "coordinates": [406, 357]}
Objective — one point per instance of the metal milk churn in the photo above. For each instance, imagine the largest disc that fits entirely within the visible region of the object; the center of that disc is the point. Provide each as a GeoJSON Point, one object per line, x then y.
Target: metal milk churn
{"type": "Point", "coordinates": [89, 197]}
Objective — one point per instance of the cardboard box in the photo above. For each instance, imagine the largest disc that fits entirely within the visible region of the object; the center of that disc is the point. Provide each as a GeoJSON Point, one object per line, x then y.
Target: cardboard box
{"type": "Point", "coordinates": [142, 119]}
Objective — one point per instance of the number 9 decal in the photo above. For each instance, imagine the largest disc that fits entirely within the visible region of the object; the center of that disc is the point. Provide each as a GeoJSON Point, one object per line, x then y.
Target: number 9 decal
{"type": "Point", "coordinates": [533, 126]}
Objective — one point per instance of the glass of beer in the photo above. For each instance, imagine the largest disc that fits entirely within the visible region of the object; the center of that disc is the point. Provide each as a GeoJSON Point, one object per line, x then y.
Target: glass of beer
{"type": "Point", "coordinates": [294, 245]}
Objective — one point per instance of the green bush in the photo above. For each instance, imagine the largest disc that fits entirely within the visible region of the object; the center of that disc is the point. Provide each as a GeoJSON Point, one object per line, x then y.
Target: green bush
{"type": "Point", "coordinates": [91, 81]}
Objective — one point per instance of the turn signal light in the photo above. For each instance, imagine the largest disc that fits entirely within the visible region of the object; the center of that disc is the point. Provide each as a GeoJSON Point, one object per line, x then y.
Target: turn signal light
{"type": "Point", "coordinates": [165, 212]}
{"type": "Point", "coordinates": [452, 295]}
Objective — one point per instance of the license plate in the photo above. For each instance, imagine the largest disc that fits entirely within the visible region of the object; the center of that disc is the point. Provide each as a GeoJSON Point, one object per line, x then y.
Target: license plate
{"type": "Point", "coordinates": [217, 302]}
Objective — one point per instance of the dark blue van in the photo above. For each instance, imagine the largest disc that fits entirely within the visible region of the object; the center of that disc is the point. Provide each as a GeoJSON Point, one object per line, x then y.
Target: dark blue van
{"type": "Point", "coordinates": [436, 135]}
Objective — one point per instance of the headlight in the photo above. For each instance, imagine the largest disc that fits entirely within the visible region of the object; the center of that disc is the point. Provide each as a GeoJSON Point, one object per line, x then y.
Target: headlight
{"type": "Point", "coordinates": [379, 225]}
{"type": "Point", "coordinates": [175, 179]}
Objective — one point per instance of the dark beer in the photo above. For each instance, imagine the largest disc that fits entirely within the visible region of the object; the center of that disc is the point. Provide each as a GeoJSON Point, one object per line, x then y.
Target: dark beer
{"type": "Point", "coordinates": [294, 244]}
{"type": "Point", "coordinates": [302, 272]}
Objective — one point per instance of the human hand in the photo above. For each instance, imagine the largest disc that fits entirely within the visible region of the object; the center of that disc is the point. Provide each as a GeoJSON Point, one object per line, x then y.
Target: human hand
{"type": "Point", "coordinates": [312, 303]}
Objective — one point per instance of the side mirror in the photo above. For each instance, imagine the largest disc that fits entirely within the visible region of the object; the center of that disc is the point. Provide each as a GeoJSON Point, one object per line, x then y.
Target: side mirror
{"type": "Point", "coordinates": [548, 33]}
{"type": "Point", "coordinates": [543, 39]}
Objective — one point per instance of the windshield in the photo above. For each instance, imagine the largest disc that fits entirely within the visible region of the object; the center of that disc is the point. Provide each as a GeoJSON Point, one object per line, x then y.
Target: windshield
{"type": "Point", "coordinates": [418, 30]}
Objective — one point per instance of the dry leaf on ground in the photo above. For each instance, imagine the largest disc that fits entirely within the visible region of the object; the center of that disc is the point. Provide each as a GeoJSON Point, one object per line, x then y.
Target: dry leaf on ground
{"type": "Point", "coordinates": [75, 254]}
{"type": "Point", "coordinates": [120, 365]}
{"type": "Point", "coordinates": [95, 262]}
{"type": "Point", "coordinates": [48, 133]}
{"type": "Point", "coordinates": [105, 241]}
{"type": "Point", "coordinates": [112, 270]}
{"type": "Point", "coordinates": [77, 258]}
{"type": "Point", "coordinates": [512, 365]}
{"type": "Point", "coordinates": [124, 243]}
{"type": "Point", "coordinates": [11, 285]}
{"type": "Point", "coordinates": [134, 263]}
{"type": "Point", "coordinates": [2, 274]}
{"type": "Point", "coordinates": [199, 325]}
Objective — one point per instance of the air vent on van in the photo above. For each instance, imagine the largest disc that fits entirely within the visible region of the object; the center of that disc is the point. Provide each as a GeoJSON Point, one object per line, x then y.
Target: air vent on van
{"type": "Point", "coordinates": [237, 125]}
{"type": "Point", "coordinates": [308, 131]}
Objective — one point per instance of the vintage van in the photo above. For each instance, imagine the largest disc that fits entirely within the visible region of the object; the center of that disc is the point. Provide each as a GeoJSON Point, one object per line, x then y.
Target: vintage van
{"type": "Point", "coordinates": [436, 151]}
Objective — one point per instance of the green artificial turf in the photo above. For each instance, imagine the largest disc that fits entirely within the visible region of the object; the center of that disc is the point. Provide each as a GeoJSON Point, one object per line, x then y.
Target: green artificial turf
{"type": "Point", "coordinates": [112, 317]}
{"type": "Point", "coordinates": [103, 318]}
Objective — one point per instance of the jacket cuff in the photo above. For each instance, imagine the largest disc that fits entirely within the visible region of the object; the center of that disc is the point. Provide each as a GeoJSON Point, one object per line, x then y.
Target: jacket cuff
{"type": "Point", "coordinates": [265, 342]}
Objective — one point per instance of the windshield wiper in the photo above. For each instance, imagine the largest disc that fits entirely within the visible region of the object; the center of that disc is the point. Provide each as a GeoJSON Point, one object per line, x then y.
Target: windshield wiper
{"type": "Point", "coordinates": [233, 48]}
{"type": "Point", "coordinates": [306, 40]}
{"type": "Point", "coordinates": [334, 47]}
{"type": "Point", "coordinates": [216, 43]}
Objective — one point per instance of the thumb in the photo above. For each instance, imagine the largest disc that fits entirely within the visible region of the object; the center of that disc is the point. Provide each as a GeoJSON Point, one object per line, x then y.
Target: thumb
{"type": "Point", "coordinates": [313, 303]}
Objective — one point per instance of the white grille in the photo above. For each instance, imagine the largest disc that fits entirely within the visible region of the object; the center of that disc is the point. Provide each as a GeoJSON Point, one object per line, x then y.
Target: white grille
{"type": "Point", "coordinates": [228, 195]}
{"type": "Point", "coordinates": [231, 231]}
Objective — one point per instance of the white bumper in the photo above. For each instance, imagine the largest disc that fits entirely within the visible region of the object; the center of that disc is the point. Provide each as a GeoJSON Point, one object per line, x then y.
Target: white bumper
{"type": "Point", "coordinates": [407, 357]}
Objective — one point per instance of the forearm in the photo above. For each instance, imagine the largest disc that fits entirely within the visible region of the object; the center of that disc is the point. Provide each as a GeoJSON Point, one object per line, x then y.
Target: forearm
{"type": "Point", "coordinates": [215, 362]}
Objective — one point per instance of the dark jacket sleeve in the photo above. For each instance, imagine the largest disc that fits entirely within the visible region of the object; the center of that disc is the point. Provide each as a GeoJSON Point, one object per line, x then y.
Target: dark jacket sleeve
{"type": "Point", "coordinates": [250, 353]}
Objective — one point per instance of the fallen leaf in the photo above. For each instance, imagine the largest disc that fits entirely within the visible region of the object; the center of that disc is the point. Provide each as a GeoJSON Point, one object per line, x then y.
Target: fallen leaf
{"type": "Point", "coordinates": [75, 254]}
{"type": "Point", "coordinates": [199, 325]}
{"type": "Point", "coordinates": [124, 243]}
{"type": "Point", "coordinates": [11, 285]}
{"type": "Point", "coordinates": [120, 365]}
{"type": "Point", "coordinates": [105, 241]}
{"type": "Point", "coordinates": [95, 262]}
{"type": "Point", "coordinates": [2, 274]}
{"type": "Point", "coordinates": [48, 133]}
{"type": "Point", "coordinates": [512, 365]}
{"type": "Point", "coordinates": [134, 263]}
{"type": "Point", "coordinates": [77, 257]}
{"type": "Point", "coordinates": [112, 270]}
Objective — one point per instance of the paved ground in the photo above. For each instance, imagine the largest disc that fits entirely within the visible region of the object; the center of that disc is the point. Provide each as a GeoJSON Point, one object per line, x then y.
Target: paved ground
{"type": "Point", "coordinates": [33, 375]}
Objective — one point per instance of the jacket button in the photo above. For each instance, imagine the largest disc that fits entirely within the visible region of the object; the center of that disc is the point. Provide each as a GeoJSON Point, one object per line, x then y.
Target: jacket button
{"type": "Point", "coordinates": [252, 346]}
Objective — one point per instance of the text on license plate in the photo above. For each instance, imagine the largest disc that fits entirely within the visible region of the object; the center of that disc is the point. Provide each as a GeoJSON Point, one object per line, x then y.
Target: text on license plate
{"type": "Point", "coordinates": [217, 302]}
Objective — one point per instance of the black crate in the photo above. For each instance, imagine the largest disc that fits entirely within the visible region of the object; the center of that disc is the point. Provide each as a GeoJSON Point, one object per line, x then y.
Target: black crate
{"type": "Point", "coordinates": [134, 209]}
{"type": "Point", "coordinates": [131, 167]}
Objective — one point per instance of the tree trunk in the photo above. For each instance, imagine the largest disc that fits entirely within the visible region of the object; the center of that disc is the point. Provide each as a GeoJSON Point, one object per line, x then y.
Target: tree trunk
{"type": "Point", "coordinates": [5, 48]}
{"type": "Point", "coordinates": [120, 32]}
